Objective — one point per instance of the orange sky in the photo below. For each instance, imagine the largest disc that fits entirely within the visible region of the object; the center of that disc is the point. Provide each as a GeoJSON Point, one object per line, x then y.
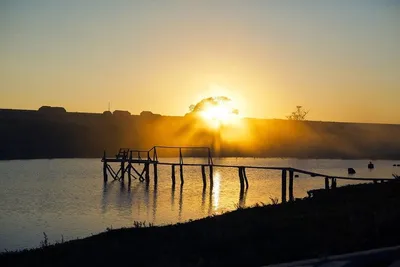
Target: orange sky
{"type": "Point", "coordinates": [340, 59]}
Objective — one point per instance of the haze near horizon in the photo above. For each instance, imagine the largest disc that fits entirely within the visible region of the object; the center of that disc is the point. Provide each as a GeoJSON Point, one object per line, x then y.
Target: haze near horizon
{"type": "Point", "coordinates": [339, 59]}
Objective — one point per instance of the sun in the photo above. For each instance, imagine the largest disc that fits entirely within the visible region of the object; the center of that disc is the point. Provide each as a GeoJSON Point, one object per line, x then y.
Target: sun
{"type": "Point", "coordinates": [219, 111]}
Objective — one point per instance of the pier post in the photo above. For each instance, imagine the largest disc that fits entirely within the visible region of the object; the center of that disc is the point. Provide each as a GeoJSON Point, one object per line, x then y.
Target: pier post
{"type": "Point", "coordinates": [155, 173]}
{"type": "Point", "coordinates": [130, 166]}
{"type": "Point", "coordinates": [291, 175]}
{"type": "Point", "coordinates": [173, 174]}
{"type": "Point", "coordinates": [241, 178]}
{"type": "Point", "coordinates": [211, 176]}
{"type": "Point", "coordinates": [326, 183]}
{"type": "Point", "coordinates": [105, 176]}
{"type": "Point", "coordinates": [245, 178]}
{"type": "Point", "coordinates": [147, 173]}
{"type": "Point", "coordinates": [181, 173]}
{"type": "Point", "coordinates": [333, 183]}
{"type": "Point", "coordinates": [284, 186]}
{"type": "Point", "coordinates": [203, 175]}
{"type": "Point", "coordinates": [123, 169]}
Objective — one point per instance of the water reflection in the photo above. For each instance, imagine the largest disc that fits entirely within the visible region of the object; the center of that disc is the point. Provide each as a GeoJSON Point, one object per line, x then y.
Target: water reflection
{"type": "Point", "coordinates": [136, 198]}
{"type": "Point", "coordinates": [203, 198]}
{"type": "Point", "coordinates": [172, 197]}
{"type": "Point", "coordinates": [154, 202]}
{"type": "Point", "coordinates": [210, 204]}
{"type": "Point", "coordinates": [106, 194]}
{"type": "Point", "coordinates": [216, 189]}
{"type": "Point", "coordinates": [242, 197]}
{"type": "Point", "coordinates": [147, 198]}
{"type": "Point", "coordinates": [74, 201]}
{"type": "Point", "coordinates": [180, 202]}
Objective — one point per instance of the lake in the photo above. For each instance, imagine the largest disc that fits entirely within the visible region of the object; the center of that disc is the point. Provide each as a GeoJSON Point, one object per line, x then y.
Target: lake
{"type": "Point", "coordinates": [67, 197]}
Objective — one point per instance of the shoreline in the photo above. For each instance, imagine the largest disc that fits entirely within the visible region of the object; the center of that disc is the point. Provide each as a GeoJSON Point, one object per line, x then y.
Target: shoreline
{"type": "Point", "coordinates": [229, 157]}
{"type": "Point", "coordinates": [343, 220]}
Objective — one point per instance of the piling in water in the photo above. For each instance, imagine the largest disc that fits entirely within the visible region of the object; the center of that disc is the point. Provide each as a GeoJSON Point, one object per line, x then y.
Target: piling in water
{"type": "Point", "coordinates": [291, 175]}
{"type": "Point", "coordinates": [173, 174]}
{"type": "Point", "coordinates": [122, 170]}
{"type": "Point", "coordinates": [203, 175]}
{"type": "Point", "coordinates": [241, 178]}
{"type": "Point", "coordinates": [333, 183]}
{"type": "Point", "coordinates": [245, 178]}
{"type": "Point", "coordinates": [181, 173]}
{"type": "Point", "coordinates": [211, 176]}
{"type": "Point", "coordinates": [155, 173]}
{"type": "Point", "coordinates": [147, 173]}
{"type": "Point", "coordinates": [105, 176]}
{"type": "Point", "coordinates": [283, 186]}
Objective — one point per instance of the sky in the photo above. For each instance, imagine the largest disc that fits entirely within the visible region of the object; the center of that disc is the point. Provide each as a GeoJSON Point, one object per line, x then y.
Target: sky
{"type": "Point", "coordinates": [340, 59]}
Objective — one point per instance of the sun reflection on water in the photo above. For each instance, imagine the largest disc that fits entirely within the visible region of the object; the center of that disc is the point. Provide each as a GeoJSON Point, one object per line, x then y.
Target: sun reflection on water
{"type": "Point", "coordinates": [216, 189]}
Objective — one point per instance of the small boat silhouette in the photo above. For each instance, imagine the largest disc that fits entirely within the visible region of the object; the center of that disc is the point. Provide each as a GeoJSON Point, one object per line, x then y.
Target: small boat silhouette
{"type": "Point", "coordinates": [370, 165]}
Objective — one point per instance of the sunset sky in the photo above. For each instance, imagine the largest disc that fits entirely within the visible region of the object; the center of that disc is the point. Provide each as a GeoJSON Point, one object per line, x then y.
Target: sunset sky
{"type": "Point", "coordinates": [339, 58]}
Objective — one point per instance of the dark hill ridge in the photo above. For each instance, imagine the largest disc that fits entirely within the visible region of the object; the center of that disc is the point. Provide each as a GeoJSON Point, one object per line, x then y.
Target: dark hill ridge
{"type": "Point", "coordinates": [56, 133]}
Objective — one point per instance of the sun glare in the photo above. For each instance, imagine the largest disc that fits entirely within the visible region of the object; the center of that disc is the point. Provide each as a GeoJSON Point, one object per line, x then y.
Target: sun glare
{"type": "Point", "coordinates": [219, 113]}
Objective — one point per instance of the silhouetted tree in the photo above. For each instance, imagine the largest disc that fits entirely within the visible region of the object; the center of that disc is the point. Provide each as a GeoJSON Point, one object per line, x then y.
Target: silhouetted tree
{"type": "Point", "coordinates": [211, 102]}
{"type": "Point", "coordinates": [298, 115]}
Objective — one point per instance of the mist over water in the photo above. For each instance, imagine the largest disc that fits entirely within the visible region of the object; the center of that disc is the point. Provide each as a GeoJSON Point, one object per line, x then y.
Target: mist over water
{"type": "Point", "coordinates": [67, 197]}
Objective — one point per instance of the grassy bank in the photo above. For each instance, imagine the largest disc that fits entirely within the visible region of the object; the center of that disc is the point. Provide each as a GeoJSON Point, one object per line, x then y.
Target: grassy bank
{"type": "Point", "coordinates": [343, 220]}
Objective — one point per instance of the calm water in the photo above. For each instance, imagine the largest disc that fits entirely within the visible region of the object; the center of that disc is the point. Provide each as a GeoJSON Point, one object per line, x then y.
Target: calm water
{"type": "Point", "coordinates": [68, 197]}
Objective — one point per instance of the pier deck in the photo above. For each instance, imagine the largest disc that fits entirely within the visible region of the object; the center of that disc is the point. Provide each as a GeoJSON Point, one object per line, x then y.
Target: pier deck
{"type": "Point", "coordinates": [136, 164]}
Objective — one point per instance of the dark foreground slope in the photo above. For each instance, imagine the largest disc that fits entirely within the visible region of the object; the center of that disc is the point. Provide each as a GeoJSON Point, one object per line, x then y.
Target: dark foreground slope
{"type": "Point", "coordinates": [345, 220]}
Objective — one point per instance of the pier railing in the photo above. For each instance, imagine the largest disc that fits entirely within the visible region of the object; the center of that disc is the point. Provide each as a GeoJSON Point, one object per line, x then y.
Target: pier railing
{"type": "Point", "coordinates": [128, 157]}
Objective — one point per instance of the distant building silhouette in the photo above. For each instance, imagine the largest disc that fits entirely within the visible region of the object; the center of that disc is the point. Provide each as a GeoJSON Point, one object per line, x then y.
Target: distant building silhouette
{"type": "Point", "coordinates": [52, 110]}
{"type": "Point", "coordinates": [149, 114]}
{"type": "Point", "coordinates": [121, 113]}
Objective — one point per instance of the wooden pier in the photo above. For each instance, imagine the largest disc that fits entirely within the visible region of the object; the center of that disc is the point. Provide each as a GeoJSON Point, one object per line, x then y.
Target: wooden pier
{"type": "Point", "coordinates": [135, 164]}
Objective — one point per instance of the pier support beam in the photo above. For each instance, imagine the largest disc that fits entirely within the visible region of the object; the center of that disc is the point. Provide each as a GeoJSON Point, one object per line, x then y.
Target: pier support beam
{"type": "Point", "coordinates": [123, 170]}
{"type": "Point", "coordinates": [333, 183]}
{"type": "Point", "coordinates": [130, 167]}
{"type": "Point", "coordinates": [326, 183]}
{"type": "Point", "coordinates": [291, 195]}
{"type": "Point", "coordinates": [155, 173]}
{"type": "Point", "coordinates": [203, 175]}
{"type": "Point", "coordinates": [181, 173]}
{"type": "Point", "coordinates": [241, 178]}
{"type": "Point", "coordinates": [129, 171]}
{"type": "Point", "coordinates": [211, 176]}
{"type": "Point", "coordinates": [245, 177]}
{"type": "Point", "coordinates": [105, 175]}
{"type": "Point", "coordinates": [173, 174]}
{"type": "Point", "coordinates": [147, 172]}
{"type": "Point", "coordinates": [283, 186]}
